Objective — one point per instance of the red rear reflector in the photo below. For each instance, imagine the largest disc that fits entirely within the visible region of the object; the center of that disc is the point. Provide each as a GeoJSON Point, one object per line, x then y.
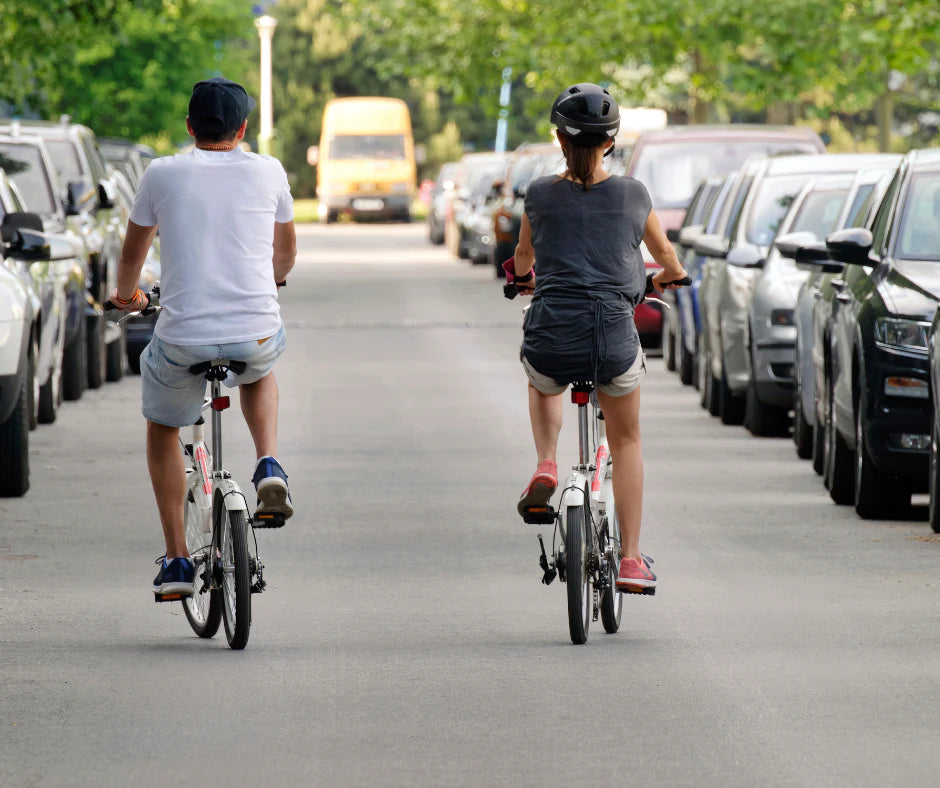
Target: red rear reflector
{"type": "Point", "coordinates": [221, 403]}
{"type": "Point", "coordinates": [580, 397]}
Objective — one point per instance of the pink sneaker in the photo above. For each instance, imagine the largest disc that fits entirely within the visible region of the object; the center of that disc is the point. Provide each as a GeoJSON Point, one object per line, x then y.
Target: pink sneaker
{"type": "Point", "coordinates": [635, 576]}
{"type": "Point", "coordinates": [540, 489]}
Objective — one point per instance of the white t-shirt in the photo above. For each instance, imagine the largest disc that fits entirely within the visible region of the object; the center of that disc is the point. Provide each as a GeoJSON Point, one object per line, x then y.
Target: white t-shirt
{"type": "Point", "coordinates": [216, 211]}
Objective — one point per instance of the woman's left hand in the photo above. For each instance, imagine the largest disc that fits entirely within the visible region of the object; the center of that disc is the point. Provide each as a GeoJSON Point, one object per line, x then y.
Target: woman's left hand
{"type": "Point", "coordinates": [661, 278]}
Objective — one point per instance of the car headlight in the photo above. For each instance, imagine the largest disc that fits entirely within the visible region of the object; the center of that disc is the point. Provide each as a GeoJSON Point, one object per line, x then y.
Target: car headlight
{"type": "Point", "coordinates": [781, 317]}
{"type": "Point", "coordinates": [899, 333]}
{"type": "Point", "coordinates": [401, 188]}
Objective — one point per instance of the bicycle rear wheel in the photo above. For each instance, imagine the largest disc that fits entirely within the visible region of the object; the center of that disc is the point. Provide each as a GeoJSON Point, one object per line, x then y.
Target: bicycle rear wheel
{"type": "Point", "coordinates": [204, 608]}
{"type": "Point", "coordinates": [236, 576]}
{"type": "Point", "coordinates": [577, 549]}
{"type": "Point", "coordinates": [611, 599]}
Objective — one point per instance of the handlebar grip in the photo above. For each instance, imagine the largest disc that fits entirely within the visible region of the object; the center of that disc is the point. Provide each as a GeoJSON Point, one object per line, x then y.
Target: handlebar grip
{"type": "Point", "coordinates": [510, 291]}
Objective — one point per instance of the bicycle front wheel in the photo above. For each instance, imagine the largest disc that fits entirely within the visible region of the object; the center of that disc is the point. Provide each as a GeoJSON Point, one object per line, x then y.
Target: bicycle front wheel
{"type": "Point", "coordinates": [236, 577]}
{"type": "Point", "coordinates": [204, 608]}
{"type": "Point", "coordinates": [578, 579]}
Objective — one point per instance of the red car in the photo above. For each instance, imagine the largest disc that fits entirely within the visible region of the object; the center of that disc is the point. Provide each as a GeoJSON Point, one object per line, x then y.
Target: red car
{"type": "Point", "coordinates": [672, 162]}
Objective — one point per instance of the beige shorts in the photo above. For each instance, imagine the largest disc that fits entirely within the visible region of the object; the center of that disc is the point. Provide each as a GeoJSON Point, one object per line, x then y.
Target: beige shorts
{"type": "Point", "coordinates": [620, 386]}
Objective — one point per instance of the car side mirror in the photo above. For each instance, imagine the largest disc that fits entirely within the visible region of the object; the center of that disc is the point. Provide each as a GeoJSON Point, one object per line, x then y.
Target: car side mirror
{"type": "Point", "coordinates": [79, 195]}
{"type": "Point", "coordinates": [688, 235]}
{"type": "Point", "coordinates": [745, 256]}
{"type": "Point", "coordinates": [814, 257]}
{"type": "Point", "coordinates": [14, 222]}
{"type": "Point", "coordinates": [850, 246]}
{"type": "Point", "coordinates": [29, 245]}
{"type": "Point", "coordinates": [105, 197]}
{"type": "Point", "coordinates": [673, 234]}
{"type": "Point", "coordinates": [711, 246]}
{"type": "Point", "coordinates": [789, 243]}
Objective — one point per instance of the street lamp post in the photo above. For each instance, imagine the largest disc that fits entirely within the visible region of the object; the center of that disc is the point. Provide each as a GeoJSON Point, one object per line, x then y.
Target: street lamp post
{"type": "Point", "coordinates": [503, 123]}
{"type": "Point", "coordinates": [266, 25]}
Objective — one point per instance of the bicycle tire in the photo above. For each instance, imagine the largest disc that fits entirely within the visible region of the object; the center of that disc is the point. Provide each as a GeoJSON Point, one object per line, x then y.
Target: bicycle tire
{"type": "Point", "coordinates": [578, 581]}
{"type": "Point", "coordinates": [612, 599]}
{"type": "Point", "coordinates": [204, 608]}
{"type": "Point", "coordinates": [236, 577]}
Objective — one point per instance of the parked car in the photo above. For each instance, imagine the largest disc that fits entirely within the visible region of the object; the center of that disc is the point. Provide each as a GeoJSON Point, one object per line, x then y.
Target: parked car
{"type": "Point", "coordinates": [771, 325]}
{"type": "Point", "coordinates": [769, 187]}
{"type": "Point", "coordinates": [528, 162]}
{"type": "Point", "coordinates": [46, 309]}
{"type": "Point", "coordinates": [441, 194]}
{"type": "Point", "coordinates": [876, 372]}
{"type": "Point", "coordinates": [813, 306]}
{"type": "Point", "coordinates": [473, 169]}
{"type": "Point", "coordinates": [91, 200]}
{"type": "Point", "coordinates": [29, 166]}
{"type": "Point", "coordinates": [682, 316]}
{"type": "Point", "coordinates": [672, 162]}
{"type": "Point", "coordinates": [19, 341]}
{"type": "Point", "coordinates": [125, 156]}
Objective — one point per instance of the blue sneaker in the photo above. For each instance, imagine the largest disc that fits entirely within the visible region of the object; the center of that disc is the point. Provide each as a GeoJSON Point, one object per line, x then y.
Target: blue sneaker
{"type": "Point", "coordinates": [271, 485]}
{"type": "Point", "coordinates": [177, 577]}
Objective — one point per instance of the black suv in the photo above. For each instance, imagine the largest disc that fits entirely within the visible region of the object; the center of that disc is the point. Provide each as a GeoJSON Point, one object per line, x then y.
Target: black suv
{"type": "Point", "coordinates": [90, 198]}
{"type": "Point", "coordinates": [877, 373]}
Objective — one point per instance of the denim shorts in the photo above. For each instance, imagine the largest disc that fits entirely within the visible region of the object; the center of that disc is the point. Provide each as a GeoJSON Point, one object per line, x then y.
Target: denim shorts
{"type": "Point", "coordinates": [620, 386]}
{"type": "Point", "coordinates": [173, 396]}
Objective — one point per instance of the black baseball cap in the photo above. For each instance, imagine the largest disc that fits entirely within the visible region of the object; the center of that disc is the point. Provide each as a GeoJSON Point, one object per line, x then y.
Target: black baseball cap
{"type": "Point", "coordinates": [218, 106]}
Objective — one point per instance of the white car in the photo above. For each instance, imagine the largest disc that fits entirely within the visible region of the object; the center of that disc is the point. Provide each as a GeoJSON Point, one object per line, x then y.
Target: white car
{"type": "Point", "coordinates": [17, 379]}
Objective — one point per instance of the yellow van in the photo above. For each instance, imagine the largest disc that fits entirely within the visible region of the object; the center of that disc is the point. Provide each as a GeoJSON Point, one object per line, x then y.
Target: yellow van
{"type": "Point", "coordinates": [366, 159]}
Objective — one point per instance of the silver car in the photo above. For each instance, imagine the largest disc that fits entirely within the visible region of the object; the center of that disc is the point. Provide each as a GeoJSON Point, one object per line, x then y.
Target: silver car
{"type": "Point", "coordinates": [769, 188]}
{"type": "Point", "coordinates": [818, 210]}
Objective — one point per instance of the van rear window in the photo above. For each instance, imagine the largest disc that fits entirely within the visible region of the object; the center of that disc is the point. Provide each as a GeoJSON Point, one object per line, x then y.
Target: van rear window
{"type": "Point", "coordinates": [367, 146]}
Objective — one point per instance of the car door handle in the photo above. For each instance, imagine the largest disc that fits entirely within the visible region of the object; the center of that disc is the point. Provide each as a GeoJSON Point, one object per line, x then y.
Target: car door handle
{"type": "Point", "coordinates": [837, 284]}
{"type": "Point", "coordinates": [844, 296]}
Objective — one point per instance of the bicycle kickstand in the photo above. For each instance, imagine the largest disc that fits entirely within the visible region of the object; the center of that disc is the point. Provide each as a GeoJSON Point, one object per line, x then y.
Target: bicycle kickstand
{"type": "Point", "coordinates": [548, 569]}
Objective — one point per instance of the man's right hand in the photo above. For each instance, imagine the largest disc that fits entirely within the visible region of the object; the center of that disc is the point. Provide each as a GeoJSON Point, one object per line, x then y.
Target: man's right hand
{"type": "Point", "coordinates": [137, 303]}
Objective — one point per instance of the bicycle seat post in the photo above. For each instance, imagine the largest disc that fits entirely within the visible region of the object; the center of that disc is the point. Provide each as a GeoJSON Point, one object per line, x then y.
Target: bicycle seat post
{"type": "Point", "coordinates": [215, 387]}
{"type": "Point", "coordinates": [581, 396]}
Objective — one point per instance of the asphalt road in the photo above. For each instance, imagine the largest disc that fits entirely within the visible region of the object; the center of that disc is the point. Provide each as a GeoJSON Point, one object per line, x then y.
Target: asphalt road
{"type": "Point", "coordinates": [405, 638]}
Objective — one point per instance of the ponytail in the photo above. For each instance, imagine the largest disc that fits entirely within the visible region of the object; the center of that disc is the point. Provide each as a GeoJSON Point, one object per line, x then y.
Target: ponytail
{"type": "Point", "coordinates": [580, 156]}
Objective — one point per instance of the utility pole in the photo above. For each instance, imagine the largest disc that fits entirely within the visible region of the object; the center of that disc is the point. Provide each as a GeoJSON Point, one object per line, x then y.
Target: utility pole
{"type": "Point", "coordinates": [502, 125]}
{"type": "Point", "coordinates": [266, 25]}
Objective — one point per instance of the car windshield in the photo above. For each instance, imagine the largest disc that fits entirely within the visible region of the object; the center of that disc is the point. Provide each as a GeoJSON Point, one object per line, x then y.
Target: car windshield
{"type": "Point", "coordinates": [919, 232]}
{"type": "Point", "coordinates": [671, 171]}
{"type": "Point", "coordinates": [367, 146]}
{"type": "Point", "coordinates": [524, 171]}
{"type": "Point", "coordinates": [819, 212]}
{"type": "Point", "coordinates": [480, 180]}
{"type": "Point", "coordinates": [774, 195]}
{"type": "Point", "coordinates": [65, 159]}
{"type": "Point", "coordinates": [23, 166]}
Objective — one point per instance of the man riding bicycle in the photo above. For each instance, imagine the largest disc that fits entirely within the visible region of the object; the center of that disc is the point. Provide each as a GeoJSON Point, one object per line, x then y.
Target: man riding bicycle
{"type": "Point", "coordinates": [227, 243]}
{"type": "Point", "coordinates": [585, 228]}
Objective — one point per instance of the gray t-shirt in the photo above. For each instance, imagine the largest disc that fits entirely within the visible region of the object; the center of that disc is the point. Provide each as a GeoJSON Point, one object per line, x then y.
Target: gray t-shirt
{"type": "Point", "coordinates": [589, 277]}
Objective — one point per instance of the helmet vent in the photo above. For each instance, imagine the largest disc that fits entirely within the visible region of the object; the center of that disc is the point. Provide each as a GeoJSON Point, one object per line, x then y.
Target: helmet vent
{"type": "Point", "coordinates": [606, 107]}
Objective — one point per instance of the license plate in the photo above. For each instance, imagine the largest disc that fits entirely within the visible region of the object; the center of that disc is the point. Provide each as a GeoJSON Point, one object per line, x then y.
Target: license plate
{"type": "Point", "coordinates": [368, 205]}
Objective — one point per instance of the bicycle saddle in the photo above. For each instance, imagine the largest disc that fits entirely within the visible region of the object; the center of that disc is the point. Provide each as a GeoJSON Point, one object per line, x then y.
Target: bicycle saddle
{"type": "Point", "coordinates": [218, 369]}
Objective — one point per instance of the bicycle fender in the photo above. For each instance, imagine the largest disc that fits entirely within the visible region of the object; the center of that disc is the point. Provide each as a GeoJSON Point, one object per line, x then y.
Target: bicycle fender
{"type": "Point", "coordinates": [573, 491]}
{"type": "Point", "coordinates": [232, 496]}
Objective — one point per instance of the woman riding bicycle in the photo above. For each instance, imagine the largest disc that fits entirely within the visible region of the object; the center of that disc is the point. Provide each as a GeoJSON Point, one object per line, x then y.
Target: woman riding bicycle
{"type": "Point", "coordinates": [585, 228]}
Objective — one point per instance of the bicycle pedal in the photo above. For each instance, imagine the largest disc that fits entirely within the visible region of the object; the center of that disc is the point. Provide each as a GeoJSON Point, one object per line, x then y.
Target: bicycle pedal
{"type": "Point", "coordinates": [637, 590]}
{"type": "Point", "coordinates": [268, 520]}
{"type": "Point", "coordinates": [167, 597]}
{"type": "Point", "coordinates": [538, 515]}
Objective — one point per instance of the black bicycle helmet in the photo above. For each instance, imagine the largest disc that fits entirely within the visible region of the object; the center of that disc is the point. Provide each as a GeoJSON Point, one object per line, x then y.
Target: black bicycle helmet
{"type": "Point", "coordinates": [588, 109]}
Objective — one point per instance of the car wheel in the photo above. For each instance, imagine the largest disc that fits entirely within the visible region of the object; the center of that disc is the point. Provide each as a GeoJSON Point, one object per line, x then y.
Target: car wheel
{"type": "Point", "coordinates": [878, 495]}
{"type": "Point", "coordinates": [33, 382]}
{"type": "Point", "coordinates": [761, 419]}
{"type": "Point", "coordinates": [116, 364]}
{"type": "Point", "coordinates": [330, 217]}
{"type": "Point", "coordinates": [686, 362]}
{"type": "Point", "coordinates": [97, 351]}
{"type": "Point", "coordinates": [802, 429]}
{"type": "Point", "coordinates": [50, 393]}
{"type": "Point", "coordinates": [14, 446]}
{"type": "Point", "coordinates": [730, 405]}
{"type": "Point", "coordinates": [839, 474]}
{"type": "Point", "coordinates": [669, 342]}
{"type": "Point", "coordinates": [75, 365]}
{"type": "Point", "coordinates": [934, 516]}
